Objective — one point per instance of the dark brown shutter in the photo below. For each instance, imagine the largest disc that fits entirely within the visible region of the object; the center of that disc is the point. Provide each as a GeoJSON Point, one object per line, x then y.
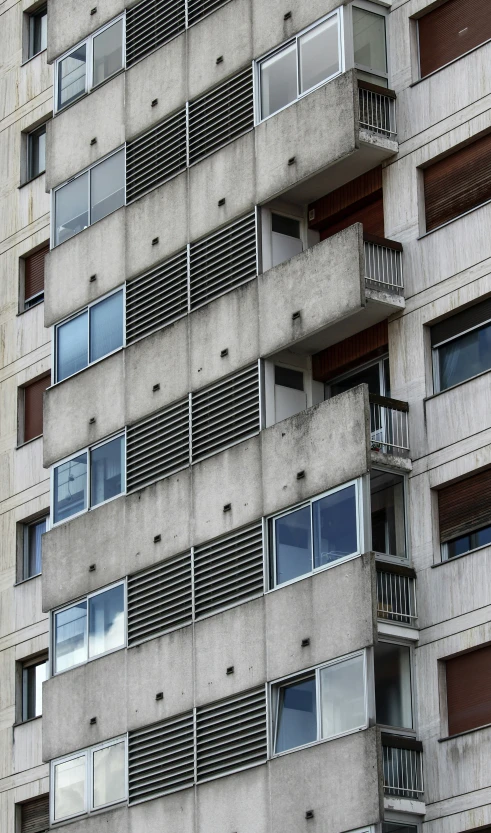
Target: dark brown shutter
{"type": "Point", "coordinates": [469, 690]}
{"type": "Point", "coordinates": [33, 408]}
{"type": "Point", "coordinates": [34, 273]}
{"type": "Point", "coordinates": [461, 322]}
{"type": "Point", "coordinates": [452, 30]}
{"type": "Point", "coordinates": [371, 215]}
{"type": "Point", "coordinates": [465, 506]}
{"type": "Point", "coordinates": [356, 195]}
{"type": "Point", "coordinates": [458, 182]}
{"type": "Point", "coordinates": [34, 815]}
{"type": "Point", "coordinates": [350, 353]}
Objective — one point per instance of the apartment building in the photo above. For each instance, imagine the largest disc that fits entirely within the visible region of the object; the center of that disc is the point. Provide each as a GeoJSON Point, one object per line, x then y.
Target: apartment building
{"type": "Point", "coordinates": [249, 590]}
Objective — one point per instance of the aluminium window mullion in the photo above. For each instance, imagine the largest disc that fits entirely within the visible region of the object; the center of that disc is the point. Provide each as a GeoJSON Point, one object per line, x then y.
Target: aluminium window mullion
{"type": "Point", "coordinates": [312, 535]}
{"type": "Point", "coordinates": [318, 713]}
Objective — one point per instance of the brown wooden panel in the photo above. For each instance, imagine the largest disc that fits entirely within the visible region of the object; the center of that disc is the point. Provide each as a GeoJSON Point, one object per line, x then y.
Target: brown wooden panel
{"type": "Point", "coordinates": [33, 408]}
{"type": "Point", "coordinates": [34, 273]}
{"type": "Point", "coordinates": [326, 208]}
{"type": "Point", "coordinates": [351, 352]}
{"type": "Point", "coordinates": [34, 815]}
{"type": "Point", "coordinates": [462, 321]}
{"type": "Point", "coordinates": [465, 505]}
{"type": "Point", "coordinates": [469, 690]}
{"type": "Point", "coordinates": [458, 182]}
{"type": "Point", "coordinates": [371, 215]}
{"type": "Point", "coordinates": [452, 30]}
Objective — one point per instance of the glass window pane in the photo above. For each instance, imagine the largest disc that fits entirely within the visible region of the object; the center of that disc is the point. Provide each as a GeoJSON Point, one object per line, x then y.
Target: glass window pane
{"type": "Point", "coordinates": [107, 186]}
{"type": "Point", "coordinates": [34, 533]}
{"type": "Point", "coordinates": [34, 676]}
{"type": "Point", "coordinates": [368, 375]}
{"type": "Point", "coordinates": [106, 621]}
{"type": "Point", "coordinates": [71, 76]}
{"type": "Point", "coordinates": [319, 54]}
{"type": "Point", "coordinates": [70, 488]}
{"type": "Point", "coordinates": [465, 357]}
{"type": "Point", "coordinates": [293, 545]}
{"type": "Point", "coordinates": [369, 40]}
{"type": "Point", "coordinates": [343, 700]}
{"type": "Point", "coordinates": [71, 347]}
{"type": "Point", "coordinates": [109, 774]}
{"type": "Point", "coordinates": [278, 79]}
{"type": "Point", "coordinates": [38, 32]}
{"type": "Point", "coordinates": [69, 788]}
{"type": "Point", "coordinates": [395, 827]}
{"type": "Point", "coordinates": [107, 466]}
{"type": "Point", "coordinates": [335, 526]}
{"type": "Point", "coordinates": [481, 538]}
{"type": "Point", "coordinates": [36, 152]}
{"type": "Point", "coordinates": [388, 516]}
{"type": "Point", "coordinates": [106, 326]}
{"type": "Point", "coordinates": [108, 52]}
{"type": "Point", "coordinates": [71, 208]}
{"type": "Point", "coordinates": [71, 636]}
{"type": "Point", "coordinates": [393, 685]}
{"type": "Point", "coordinates": [297, 719]}
{"type": "Point", "coordinates": [459, 546]}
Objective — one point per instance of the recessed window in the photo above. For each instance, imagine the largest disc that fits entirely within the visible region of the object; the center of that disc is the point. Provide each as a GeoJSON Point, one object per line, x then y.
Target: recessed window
{"type": "Point", "coordinates": [36, 152]}
{"type": "Point", "coordinates": [322, 704]}
{"type": "Point", "coordinates": [322, 532]}
{"type": "Point", "coordinates": [376, 375]}
{"type": "Point", "coordinates": [31, 405]}
{"type": "Point", "coordinates": [462, 346]}
{"type": "Point", "coordinates": [32, 278]}
{"type": "Point", "coordinates": [89, 780]}
{"type": "Point", "coordinates": [89, 197]}
{"type": "Point", "coordinates": [451, 30]}
{"type": "Point", "coordinates": [89, 336]}
{"type": "Point", "coordinates": [369, 46]}
{"type": "Point", "coordinates": [468, 678]}
{"type": "Point", "coordinates": [88, 479]}
{"type": "Point", "coordinates": [33, 546]}
{"type": "Point", "coordinates": [33, 816]}
{"type": "Point", "coordinates": [38, 31]}
{"type": "Point", "coordinates": [34, 673]}
{"type": "Point", "coordinates": [388, 513]}
{"type": "Point", "coordinates": [393, 685]}
{"type": "Point", "coordinates": [285, 238]}
{"type": "Point", "coordinates": [89, 628]}
{"type": "Point", "coordinates": [464, 513]}
{"type": "Point", "coordinates": [311, 59]}
{"type": "Point", "coordinates": [89, 64]}
{"type": "Point", "coordinates": [397, 827]}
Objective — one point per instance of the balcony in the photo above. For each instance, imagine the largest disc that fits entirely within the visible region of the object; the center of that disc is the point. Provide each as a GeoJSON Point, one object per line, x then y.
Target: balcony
{"type": "Point", "coordinates": [396, 594]}
{"type": "Point", "coordinates": [389, 426]}
{"type": "Point", "coordinates": [383, 264]}
{"type": "Point", "coordinates": [402, 767]}
{"type": "Point", "coordinates": [377, 110]}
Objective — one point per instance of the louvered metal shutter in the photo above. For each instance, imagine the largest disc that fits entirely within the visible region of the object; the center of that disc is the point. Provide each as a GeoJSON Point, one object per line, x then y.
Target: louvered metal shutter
{"type": "Point", "coordinates": [161, 758]}
{"type": "Point", "coordinates": [223, 260]}
{"type": "Point", "coordinates": [150, 24]}
{"type": "Point", "coordinates": [34, 815]}
{"type": "Point", "coordinates": [231, 735]}
{"type": "Point", "coordinates": [156, 156]}
{"type": "Point", "coordinates": [158, 446]}
{"type": "Point", "coordinates": [458, 182]}
{"type": "Point", "coordinates": [452, 30]}
{"type": "Point", "coordinates": [456, 324]}
{"type": "Point", "coordinates": [221, 115]}
{"type": "Point", "coordinates": [228, 571]}
{"type": "Point", "coordinates": [350, 352]}
{"type": "Point", "coordinates": [469, 690]}
{"type": "Point", "coordinates": [465, 506]}
{"type": "Point", "coordinates": [33, 408]}
{"type": "Point", "coordinates": [157, 298]}
{"type": "Point", "coordinates": [34, 273]}
{"type": "Point", "coordinates": [225, 413]}
{"type": "Point", "coordinates": [160, 600]}
{"type": "Point", "coordinates": [199, 8]}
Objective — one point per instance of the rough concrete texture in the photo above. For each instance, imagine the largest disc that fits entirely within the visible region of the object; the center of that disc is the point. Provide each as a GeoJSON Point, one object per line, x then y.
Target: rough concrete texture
{"type": "Point", "coordinates": [69, 21]}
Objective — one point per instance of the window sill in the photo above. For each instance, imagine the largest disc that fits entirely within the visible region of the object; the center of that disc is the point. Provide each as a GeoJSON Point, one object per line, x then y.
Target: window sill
{"type": "Point", "coordinates": [313, 573]}
{"type": "Point", "coordinates": [458, 557]}
{"type": "Point", "coordinates": [28, 60]}
{"type": "Point", "coordinates": [454, 219]}
{"type": "Point", "coordinates": [454, 61]}
{"type": "Point", "coordinates": [463, 734]}
{"type": "Point", "coordinates": [28, 309]}
{"type": "Point", "coordinates": [29, 720]}
{"type": "Point", "coordinates": [318, 742]}
{"type": "Point", "coordinates": [28, 181]}
{"type": "Point", "coordinates": [454, 387]}
{"type": "Point", "coordinates": [59, 110]}
{"type": "Point", "coordinates": [25, 580]}
{"type": "Point", "coordinates": [28, 442]}
{"type": "Point", "coordinates": [87, 366]}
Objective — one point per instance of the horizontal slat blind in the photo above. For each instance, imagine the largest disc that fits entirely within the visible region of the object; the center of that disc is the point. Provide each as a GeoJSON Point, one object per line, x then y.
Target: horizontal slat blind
{"type": "Point", "coordinates": [161, 758]}
{"type": "Point", "coordinates": [469, 690]}
{"type": "Point", "coordinates": [34, 815]}
{"type": "Point", "coordinates": [346, 354]}
{"type": "Point", "coordinates": [458, 182]}
{"type": "Point", "coordinates": [451, 30]}
{"type": "Point", "coordinates": [228, 571]}
{"type": "Point", "coordinates": [231, 735]}
{"type": "Point", "coordinates": [225, 413]}
{"type": "Point", "coordinates": [156, 156]}
{"type": "Point", "coordinates": [221, 115]}
{"type": "Point", "coordinates": [461, 322]}
{"type": "Point", "coordinates": [465, 506]}
{"type": "Point", "coordinates": [199, 8]}
{"type": "Point", "coordinates": [160, 599]}
{"type": "Point", "coordinates": [157, 298]}
{"type": "Point", "coordinates": [150, 24]}
{"type": "Point", "coordinates": [157, 446]}
{"type": "Point", "coordinates": [33, 408]}
{"type": "Point", "coordinates": [34, 273]}
{"type": "Point", "coordinates": [223, 260]}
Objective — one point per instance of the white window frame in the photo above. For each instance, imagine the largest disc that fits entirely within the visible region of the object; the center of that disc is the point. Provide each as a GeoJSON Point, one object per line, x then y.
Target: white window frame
{"type": "Point", "coordinates": [86, 170]}
{"type": "Point", "coordinates": [272, 584]}
{"type": "Point", "coordinates": [382, 556]}
{"type": "Point", "coordinates": [339, 12]}
{"type": "Point", "coordinates": [400, 731]}
{"type": "Point", "coordinates": [354, 372]}
{"type": "Point", "coordinates": [86, 309]}
{"type": "Point", "coordinates": [87, 450]}
{"type": "Point", "coordinates": [436, 364]}
{"type": "Point", "coordinates": [274, 696]}
{"type": "Point", "coordinates": [56, 611]}
{"type": "Point", "coordinates": [89, 63]}
{"type": "Point", "coordinates": [88, 755]}
{"type": "Point", "coordinates": [30, 663]}
{"type": "Point", "coordinates": [374, 8]}
{"type": "Point", "coordinates": [25, 543]}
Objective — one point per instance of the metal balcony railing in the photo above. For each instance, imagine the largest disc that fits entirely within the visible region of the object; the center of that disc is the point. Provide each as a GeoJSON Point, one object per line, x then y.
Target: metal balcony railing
{"type": "Point", "coordinates": [403, 767]}
{"type": "Point", "coordinates": [383, 264]}
{"type": "Point", "coordinates": [396, 595]}
{"type": "Point", "coordinates": [377, 109]}
{"type": "Point", "coordinates": [389, 425]}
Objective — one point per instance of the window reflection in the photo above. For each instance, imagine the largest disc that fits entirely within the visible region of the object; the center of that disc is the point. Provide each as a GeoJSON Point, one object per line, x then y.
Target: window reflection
{"type": "Point", "coordinates": [70, 488]}
{"type": "Point", "coordinates": [71, 636]}
{"type": "Point", "coordinates": [343, 696]}
{"type": "Point", "coordinates": [108, 52]}
{"type": "Point", "coordinates": [464, 357]}
{"type": "Point", "coordinates": [297, 719]}
{"type": "Point", "coordinates": [71, 76]}
{"type": "Point", "coordinates": [109, 775]}
{"type": "Point", "coordinates": [319, 54]}
{"type": "Point", "coordinates": [278, 80]}
{"type": "Point", "coordinates": [69, 788]}
{"type": "Point", "coordinates": [106, 621]}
